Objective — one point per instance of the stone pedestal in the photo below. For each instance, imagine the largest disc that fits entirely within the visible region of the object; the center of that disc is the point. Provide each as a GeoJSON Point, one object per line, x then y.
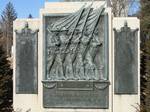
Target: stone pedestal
{"type": "Point", "coordinates": [106, 92]}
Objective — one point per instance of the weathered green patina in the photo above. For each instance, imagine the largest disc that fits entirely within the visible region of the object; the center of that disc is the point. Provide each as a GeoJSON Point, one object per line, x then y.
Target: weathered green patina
{"type": "Point", "coordinates": [26, 61]}
{"type": "Point", "coordinates": [126, 60]}
{"type": "Point", "coordinates": [75, 57]}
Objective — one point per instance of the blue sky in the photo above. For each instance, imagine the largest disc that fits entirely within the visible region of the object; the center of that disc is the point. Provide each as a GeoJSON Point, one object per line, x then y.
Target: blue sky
{"type": "Point", "coordinates": [135, 7]}
{"type": "Point", "coordinates": [25, 7]}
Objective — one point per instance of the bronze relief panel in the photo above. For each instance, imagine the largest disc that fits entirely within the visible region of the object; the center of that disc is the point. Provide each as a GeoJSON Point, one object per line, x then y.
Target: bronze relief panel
{"type": "Point", "coordinates": [75, 75]}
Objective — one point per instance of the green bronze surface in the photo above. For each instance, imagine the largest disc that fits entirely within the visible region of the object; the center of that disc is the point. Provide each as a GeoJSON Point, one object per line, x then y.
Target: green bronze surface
{"type": "Point", "coordinates": [76, 61]}
{"type": "Point", "coordinates": [126, 60]}
{"type": "Point", "coordinates": [26, 61]}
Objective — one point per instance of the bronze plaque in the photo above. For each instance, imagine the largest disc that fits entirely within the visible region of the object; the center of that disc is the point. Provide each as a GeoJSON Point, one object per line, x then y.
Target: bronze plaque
{"type": "Point", "coordinates": [76, 61]}
{"type": "Point", "coordinates": [26, 61]}
{"type": "Point", "coordinates": [126, 60]}
{"type": "Point", "coordinates": [86, 95]}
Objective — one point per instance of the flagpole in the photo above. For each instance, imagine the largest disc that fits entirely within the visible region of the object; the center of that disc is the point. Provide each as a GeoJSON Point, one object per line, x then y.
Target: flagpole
{"type": "Point", "coordinates": [84, 24]}
{"type": "Point", "coordinates": [71, 36]}
{"type": "Point", "coordinates": [98, 17]}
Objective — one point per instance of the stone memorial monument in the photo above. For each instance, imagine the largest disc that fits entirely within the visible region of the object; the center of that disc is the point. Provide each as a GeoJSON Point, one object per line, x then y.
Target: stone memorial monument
{"type": "Point", "coordinates": [76, 58]}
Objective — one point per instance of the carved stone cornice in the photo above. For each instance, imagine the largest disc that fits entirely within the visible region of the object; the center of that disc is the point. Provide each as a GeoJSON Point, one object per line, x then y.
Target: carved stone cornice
{"type": "Point", "coordinates": [125, 28]}
{"type": "Point", "coordinates": [26, 31]}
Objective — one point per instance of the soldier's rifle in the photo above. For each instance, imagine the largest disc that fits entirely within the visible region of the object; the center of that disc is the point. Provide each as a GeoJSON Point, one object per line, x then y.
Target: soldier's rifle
{"type": "Point", "coordinates": [54, 54]}
{"type": "Point", "coordinates": [72, 33]}
{"type": "Point", "coordinates": [100, 11]}
{"type": "Point", "coordinates": [82, 32]}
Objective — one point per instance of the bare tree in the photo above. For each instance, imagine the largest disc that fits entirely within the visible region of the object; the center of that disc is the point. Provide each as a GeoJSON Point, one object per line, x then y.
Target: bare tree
{"type": "Point", "coordinates": [119, 7]}
{"type": "Point", "coordinates": [123, 7]}
{"type": "Point", "coordinates": [1, 34]}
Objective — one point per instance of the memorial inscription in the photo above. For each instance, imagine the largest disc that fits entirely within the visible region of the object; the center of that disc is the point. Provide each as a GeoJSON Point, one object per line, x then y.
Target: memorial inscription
{"type": "Point", "coordinates": [126, 60]}
{"type": "Point", "coordinates": [75, 60]}
{"type": "Point", "coordinates": [26, 61]}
